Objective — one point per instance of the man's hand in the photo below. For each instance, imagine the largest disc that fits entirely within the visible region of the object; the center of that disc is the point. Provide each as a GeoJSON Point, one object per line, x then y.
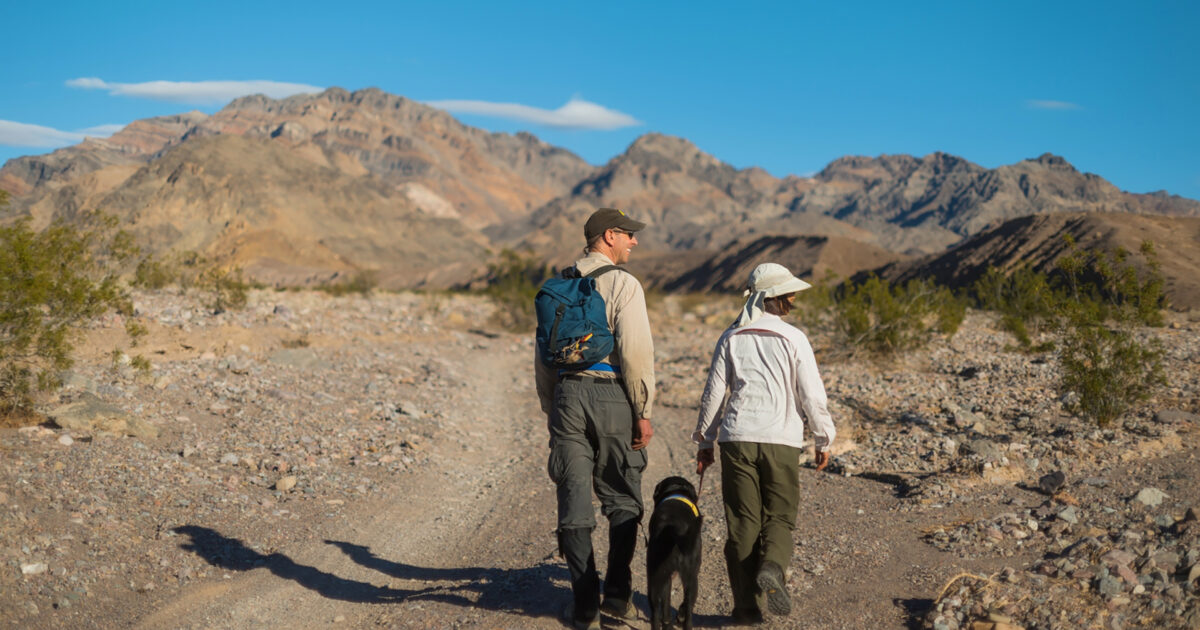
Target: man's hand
{"type": "Point", "coordinates": [820, 459]}
{"type": "Point", "coordinates": [704, 459]}
{"type": "Point", "coordinates": [642, 432]}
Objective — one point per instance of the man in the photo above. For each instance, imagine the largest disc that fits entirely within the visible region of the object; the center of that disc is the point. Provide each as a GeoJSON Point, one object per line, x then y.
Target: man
{"type": "Point", "coordinates": [599, 421]}
{"type": "Point", "coordinates": [771, 376]}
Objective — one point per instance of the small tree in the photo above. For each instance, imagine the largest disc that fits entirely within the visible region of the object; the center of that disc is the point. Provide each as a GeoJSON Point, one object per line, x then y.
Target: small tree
{"type": "Point", "coordinates": [513, 282]}
{"type": "Point", "coordinates": [1106, 298]}
{"type": "Point", "coordinates": [224, 288]}
{"type": "Point", "coordinates": [1025, 300]}
{"type": "Point", "coordinates": [883, 318]}
{"type": "Point", "coordinates": [51, 284]}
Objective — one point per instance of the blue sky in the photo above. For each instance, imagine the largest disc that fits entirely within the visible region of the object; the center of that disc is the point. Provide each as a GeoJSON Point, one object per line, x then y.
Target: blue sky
{"type": "Point", "coordinates": [1112, 87]}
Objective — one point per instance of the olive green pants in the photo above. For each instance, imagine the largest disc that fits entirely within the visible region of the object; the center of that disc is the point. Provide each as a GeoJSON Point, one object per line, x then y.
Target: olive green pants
{"type": "Point", "coordinates": [760, 487]}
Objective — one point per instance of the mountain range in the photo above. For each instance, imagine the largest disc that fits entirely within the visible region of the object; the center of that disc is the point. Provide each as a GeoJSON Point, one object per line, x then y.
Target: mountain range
{"type": "Point", "coordinates": [303, 189]}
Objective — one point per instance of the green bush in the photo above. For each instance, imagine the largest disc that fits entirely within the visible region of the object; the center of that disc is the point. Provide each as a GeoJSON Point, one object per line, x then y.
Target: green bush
{"type": "Point", "coordinates": [362, 283]}
{"type": "Point", "coordinates": [224, 288]}
{"type": "Point", "coordinates": [152, 273]}
{"type": "Point", "coordinates": [1105, 297]}
{"type": "Point", "coordinates": [1092, 303]}
{"type": "Point", "coordinates": [51, 284]}
{"type": "Point", "coordinates": [1025, 300]}
{"type": "Point", "coordinates": [1107, 368]}
{"type": "Point", "coordinates": [513, 283]}
{"type": "Point", "coordinates": [884, 319]}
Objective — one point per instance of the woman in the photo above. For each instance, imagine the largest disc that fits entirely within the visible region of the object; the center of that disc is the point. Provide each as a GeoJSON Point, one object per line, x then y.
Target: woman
{"type": "Point", "coordinates": [768, 369]}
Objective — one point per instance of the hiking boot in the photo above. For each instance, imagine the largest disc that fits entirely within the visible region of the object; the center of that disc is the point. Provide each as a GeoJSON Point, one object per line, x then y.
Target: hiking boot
{"type": "Point", "coordinates": [580, 624]}
{"type": "Point", "coordinates": [747, 617]}
{"type": "Point", "coordinates": [620, 609]}
{"type": "Point", "coordinates": [770, 580]}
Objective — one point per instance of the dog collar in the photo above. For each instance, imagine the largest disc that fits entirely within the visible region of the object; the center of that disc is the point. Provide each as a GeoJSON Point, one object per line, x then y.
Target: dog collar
{"type": "Point", "coordinates": [680, 497]}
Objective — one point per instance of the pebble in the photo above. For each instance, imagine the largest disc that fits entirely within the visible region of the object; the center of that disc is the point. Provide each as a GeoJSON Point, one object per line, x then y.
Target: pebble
{"type": "Point", "coordinates": [285, 483]}
{"type": "Point", "coordinates": [1150, 497]}
{"type": "Point", "coordinates": [35, 568]}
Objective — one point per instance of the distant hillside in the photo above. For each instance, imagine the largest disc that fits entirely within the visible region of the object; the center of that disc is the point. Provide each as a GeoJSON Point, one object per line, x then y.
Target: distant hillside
{"type": "Point", "coordinates": [443, 166]}
{"type": "Point", "coordinates": [301, 188]}
{"type": "Point", "coordinates": [929, 203]}
{"type": "Point", "coordinates": [690, 200]}
{"type": "Point", "coordinates": [1038, 241]}
{"type": "Point", "coordinates": [253, 203]}
{"type": "Point", "coordinates": [727, 270]}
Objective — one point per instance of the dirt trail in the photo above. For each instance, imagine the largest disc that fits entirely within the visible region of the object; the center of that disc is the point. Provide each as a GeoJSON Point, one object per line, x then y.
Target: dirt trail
{"type": "Point", "coordinates": [468, 541]}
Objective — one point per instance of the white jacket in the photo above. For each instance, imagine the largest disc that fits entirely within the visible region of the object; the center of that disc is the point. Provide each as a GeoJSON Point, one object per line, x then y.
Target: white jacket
{"type": "Point", "coordinates": [770, 373]}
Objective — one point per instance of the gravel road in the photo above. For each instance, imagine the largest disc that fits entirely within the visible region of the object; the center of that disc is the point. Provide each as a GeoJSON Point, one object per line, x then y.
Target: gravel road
{"type": "Point", "coordinates": [379, 461]}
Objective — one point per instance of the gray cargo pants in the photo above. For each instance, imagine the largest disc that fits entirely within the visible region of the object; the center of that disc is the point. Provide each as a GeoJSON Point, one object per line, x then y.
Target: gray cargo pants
{"type": "Point", "coordinates": [591, 430]}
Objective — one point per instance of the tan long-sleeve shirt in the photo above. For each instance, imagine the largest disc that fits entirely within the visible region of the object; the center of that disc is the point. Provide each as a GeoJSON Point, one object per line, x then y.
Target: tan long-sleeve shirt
{"type": "Point", "coordinates": [633, 353]}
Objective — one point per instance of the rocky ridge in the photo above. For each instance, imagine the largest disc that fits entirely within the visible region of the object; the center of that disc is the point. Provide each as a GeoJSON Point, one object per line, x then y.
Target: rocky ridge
{"type": "Point", "coordinates": [510, 191]}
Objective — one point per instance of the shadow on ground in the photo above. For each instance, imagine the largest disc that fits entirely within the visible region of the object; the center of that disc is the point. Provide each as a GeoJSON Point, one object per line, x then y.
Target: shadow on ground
{"type": "Point", "coordinates": [915, 608]}
{"type": "Point", "coordinates": [527, 591]}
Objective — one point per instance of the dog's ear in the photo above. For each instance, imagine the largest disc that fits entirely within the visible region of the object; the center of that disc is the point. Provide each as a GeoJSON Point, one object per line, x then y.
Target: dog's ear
{"type": "Point", "coordinates": [660, 490]}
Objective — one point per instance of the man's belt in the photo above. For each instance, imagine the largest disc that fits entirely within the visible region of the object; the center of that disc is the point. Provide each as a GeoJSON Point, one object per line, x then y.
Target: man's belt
{"type": "Point", "coordinates": [595, 367]}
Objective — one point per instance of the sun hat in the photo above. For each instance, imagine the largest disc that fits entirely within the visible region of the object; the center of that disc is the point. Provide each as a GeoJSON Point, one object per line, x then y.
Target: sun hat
{"type": "Point", "coordinates": [606, 219]}
{"type": "Point", "coordinates": [768, 280]}
{"type": "Point", "coordinates": [774, 280]}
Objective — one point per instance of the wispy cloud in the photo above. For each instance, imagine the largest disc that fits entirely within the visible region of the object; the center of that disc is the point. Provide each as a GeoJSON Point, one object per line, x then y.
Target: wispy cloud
{"type": "Point", "coordinates": [194, 92]}
{"type": "Point", "coordinates": [15, 134]}
{"type": "Point", "coordinates": [1059, 105]}
{"type": "Point", "coordinates": [576, 114]}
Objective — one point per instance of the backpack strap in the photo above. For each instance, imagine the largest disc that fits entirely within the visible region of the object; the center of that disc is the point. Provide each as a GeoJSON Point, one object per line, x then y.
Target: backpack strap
{"type": "Point", "coordinates": [573, 271]}
{"type": "Point", "coordinates": [601, 270]}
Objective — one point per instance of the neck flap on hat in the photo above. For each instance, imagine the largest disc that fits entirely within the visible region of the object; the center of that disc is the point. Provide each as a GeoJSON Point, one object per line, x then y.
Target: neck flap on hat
{"type": "Point", "coordinates": [753, 309]}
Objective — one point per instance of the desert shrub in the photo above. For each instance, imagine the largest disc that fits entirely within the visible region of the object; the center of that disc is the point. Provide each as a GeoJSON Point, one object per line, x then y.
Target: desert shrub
{"type": "Point", "coordinates": [152, 273]}
{"type": "Point", "coordinates": [513, 283]}
{"type": "Point", "coordinates": [1105, 297]}
{"type": "Point", "coordinates": [224, 289]}
{"type": "Point", "coordinates": [362, 283]}
{"type": "Point", "coordinates": [1092, 303]}
{"type": "Point", "coordinates": [1025, 300]}
{"type": "Point", "coordinates": [882, 318]}
{"type": "Point", "coordinates": [1122, 289]}
{"type": "Point", "coordinates": [52, 283]}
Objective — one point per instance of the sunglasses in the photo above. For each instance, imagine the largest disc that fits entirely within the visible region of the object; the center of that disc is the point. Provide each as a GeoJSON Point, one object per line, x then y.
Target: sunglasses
{"type": "Point", "coordinates": [626, 233]}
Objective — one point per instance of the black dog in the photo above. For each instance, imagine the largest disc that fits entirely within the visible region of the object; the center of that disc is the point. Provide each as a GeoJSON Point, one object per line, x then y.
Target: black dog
{"type": "Point", "coordinates": [673, 548]}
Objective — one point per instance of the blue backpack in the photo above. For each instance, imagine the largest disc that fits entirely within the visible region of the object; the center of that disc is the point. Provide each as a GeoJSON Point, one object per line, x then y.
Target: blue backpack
{"type": "Point", "coordinates": [572, 326]}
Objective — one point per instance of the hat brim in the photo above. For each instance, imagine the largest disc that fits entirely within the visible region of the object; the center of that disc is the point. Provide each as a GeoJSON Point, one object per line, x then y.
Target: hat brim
{"type": "Point", "coordinates": [630, 225]}
{"type": "Point", "coordinates": [791, 286]}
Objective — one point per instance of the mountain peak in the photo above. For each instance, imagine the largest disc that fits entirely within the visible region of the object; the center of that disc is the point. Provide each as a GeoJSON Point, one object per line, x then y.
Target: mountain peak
{"type": "Point", "coordinates": [1056, 162]}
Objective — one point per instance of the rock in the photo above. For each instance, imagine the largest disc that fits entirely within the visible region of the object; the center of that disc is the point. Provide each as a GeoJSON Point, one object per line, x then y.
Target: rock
{"type": "Point", "coordinates": [65, 440]}
{"type": "Point", "coordinates": [1150, 497]}
{"type": "Point", "coordinates": [90, 414]}
{"type": "Point", "coordinates": [229, 458]}
{"type": "Point", "coordinates": [299, 358]}
{"type": "Point", "coordinates": [1171, 416]}
{"type": "Point", "coordinates": [1118, 557]}
{"type": "Point", "coordinates": [1050, 483]}
{"type": "Point", "coordinates": [1109, 586]}
{"type": "Point", "coordinates": [35, 568]}
{"type": "Point", "coordinates": [909, 417]}
{"type": "Point", "coordinates": [984, 448]}
{"type": "Point", "coordinates": [1069, 515]}
{"type": "Point", "coordinates": [285, 484]}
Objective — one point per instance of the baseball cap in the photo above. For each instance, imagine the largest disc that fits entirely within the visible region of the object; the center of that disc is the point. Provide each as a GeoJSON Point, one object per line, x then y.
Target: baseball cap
{"type": "Point", "coordinates": [607, 219]}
